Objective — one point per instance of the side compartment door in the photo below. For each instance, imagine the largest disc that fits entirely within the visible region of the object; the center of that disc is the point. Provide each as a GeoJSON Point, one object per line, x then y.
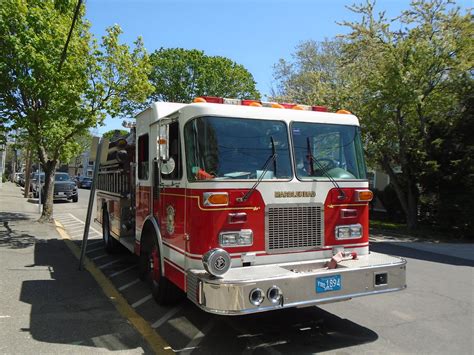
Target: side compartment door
{"type": "Point", "coordinates": [172, 199]}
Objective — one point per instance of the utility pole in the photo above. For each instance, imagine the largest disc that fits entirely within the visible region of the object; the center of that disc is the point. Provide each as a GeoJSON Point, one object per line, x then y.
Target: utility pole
{"type": "Point", "coordinates": [27, 172]}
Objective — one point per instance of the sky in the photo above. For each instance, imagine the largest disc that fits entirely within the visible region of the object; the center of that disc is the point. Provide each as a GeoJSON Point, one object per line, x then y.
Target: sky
{"type": "Point", "coordinates": [254, 33]}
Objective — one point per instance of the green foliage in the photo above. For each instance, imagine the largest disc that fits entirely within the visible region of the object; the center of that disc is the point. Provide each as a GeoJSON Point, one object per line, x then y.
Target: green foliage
{"type": "Point", "coordinates": [313, 76]}
{"type": "Point", "coordinates": [51, 107]}
{"type": "Point", "coordinates": [114, 134]}
{"type": "Point", "coordinates": [407, 79]}
{"type": "Point", "coordinates": [180, 75]}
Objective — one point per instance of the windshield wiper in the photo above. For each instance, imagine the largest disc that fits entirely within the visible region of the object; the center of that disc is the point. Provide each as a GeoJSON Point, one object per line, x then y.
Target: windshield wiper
{"type": "Point", "coordinates": [324, 170]}
{"type": "Point", "coordinates": [266, 166]}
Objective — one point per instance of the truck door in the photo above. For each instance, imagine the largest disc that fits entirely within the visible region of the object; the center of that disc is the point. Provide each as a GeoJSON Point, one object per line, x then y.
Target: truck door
{"type": "Point", "coordinates": [172, 205]}
{"type": "Point", "coordinates": [143, 189]}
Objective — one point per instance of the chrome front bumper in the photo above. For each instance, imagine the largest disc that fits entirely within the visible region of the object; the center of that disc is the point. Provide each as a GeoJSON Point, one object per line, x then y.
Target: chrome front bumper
{"type": "Point", "coordinates": [229, 295]}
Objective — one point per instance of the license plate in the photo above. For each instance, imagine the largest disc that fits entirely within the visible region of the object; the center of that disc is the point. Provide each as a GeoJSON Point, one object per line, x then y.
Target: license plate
{"type": "Point", "coordinates": [61, 193]}
{"type": "Point", "coordinates": [328, 283]}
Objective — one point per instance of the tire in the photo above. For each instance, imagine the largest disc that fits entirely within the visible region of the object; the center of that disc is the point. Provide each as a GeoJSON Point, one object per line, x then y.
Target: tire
{"type": "Point", "coordinates": [110, 244]}
{"type": "Point", "coordinates": [149, 269]}
{"type": "Point", "coordinates": [75, 198]}
{"type": "Point", "coordinates": [143, 265]}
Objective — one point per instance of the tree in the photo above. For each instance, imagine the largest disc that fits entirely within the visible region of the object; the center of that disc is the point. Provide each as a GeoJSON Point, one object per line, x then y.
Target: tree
{"type": "Point", "coordinates": [114, 134]}
{"type": "Point", "coordinates": [313, 77]}
{"type": "Point", "coordinates": [51, 101]}
{"type": "Point", "coordinates": [180, 75]}
{"type": "Point", "coordinates": [404, 84]}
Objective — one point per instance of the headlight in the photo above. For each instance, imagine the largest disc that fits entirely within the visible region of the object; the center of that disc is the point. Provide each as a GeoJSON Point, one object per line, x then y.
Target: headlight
{"type": "Point", "coordinates": [244, 237]}
{"type": "Point", "coordinates": [352, 231]}
{"type": "Point", "coordinates": [216, 262]}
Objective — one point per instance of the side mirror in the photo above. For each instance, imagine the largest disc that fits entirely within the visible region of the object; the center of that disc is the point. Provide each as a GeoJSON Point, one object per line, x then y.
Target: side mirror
{"type": "Point", "coordinates": [168, 166]}
{"type": "Point", "coordinates": [163, 143]}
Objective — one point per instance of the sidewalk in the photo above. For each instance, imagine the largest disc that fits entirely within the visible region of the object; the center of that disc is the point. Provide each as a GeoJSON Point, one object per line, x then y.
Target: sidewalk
{"type": "Point", "coordinates": [463, 251]}
{"type": "Point", "coordinates": [48, 305]}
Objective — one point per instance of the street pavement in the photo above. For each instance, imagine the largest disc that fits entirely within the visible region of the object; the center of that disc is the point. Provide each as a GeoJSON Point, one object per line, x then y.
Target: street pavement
{"type": "Point", "coordinates": [434, 315]}
{"type": "Point", "coordinates": [49, 306]}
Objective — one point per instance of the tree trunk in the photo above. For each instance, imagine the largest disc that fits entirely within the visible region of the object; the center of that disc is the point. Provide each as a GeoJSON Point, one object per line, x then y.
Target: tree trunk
{"type": "Point", "coordinates": [408, 196]}
{"type": "Point", "coordinates": [412, 204]}
{"type": "Point", "coordinates": [49, 171]}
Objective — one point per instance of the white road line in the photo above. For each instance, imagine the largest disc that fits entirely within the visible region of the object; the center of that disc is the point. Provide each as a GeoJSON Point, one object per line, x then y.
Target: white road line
{"type": "Point", "coordinates": [110, 263]}
{"type": "Point", "coordinates": [80, 221]}
{"type": "Point", "coordinates": [68, 224]}
{"type": "Point", "coordinates": [99, 257]}
{"type": "Point", "coordinates": [121, 288]}
{"type": "Point", "coordinates": [196, 340]}
{"type": "Point", "coordinates": [96, 249]}
{"type": "Point", "coordinates": [122, 271]}
{"type": "Point", "coordinates": [143, 300]}
{"type": "Point", "coordinates": [75, 228]}
{"type": "Point", "coordinates": [94, 241]}
{"type": "Point", "coordinates": [166, 317]}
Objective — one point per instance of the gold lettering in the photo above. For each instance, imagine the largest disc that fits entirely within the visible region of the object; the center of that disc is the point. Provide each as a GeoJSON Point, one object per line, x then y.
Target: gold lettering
{"type": "Point", "coordinates": [290, 194]}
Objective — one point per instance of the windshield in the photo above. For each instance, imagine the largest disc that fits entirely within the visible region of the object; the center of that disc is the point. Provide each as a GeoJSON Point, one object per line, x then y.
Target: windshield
{"type": "Point", "coordinates": [327, 149]}
{"type": "Point", "coordinates": [61, 177]}
{"type": "Point", "coordinates": [221, 148]}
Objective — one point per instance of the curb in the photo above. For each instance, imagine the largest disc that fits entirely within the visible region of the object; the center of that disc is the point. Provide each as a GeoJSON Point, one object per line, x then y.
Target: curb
{"type": "Point", "coordinates": [156, 342]}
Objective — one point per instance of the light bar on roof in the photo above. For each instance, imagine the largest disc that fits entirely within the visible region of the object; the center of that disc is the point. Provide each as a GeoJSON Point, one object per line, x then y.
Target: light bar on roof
{"type": "Point", "coordinates": [257, 103]}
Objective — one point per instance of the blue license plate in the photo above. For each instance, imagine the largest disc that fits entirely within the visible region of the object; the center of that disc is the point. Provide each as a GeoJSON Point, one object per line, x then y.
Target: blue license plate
{"type": "Point", "coordinates": [328, 283]}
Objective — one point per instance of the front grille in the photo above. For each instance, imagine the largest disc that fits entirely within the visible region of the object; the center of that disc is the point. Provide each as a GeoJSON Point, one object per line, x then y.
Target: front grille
{"type": "Point", "coordinates": [62, 187]}
{"type": "Point", "coordinates": [293, 227]}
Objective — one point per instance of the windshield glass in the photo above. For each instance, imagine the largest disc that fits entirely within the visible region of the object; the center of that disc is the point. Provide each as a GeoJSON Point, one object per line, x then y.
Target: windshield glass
{"type": "Point", "coordinates": [327, 149]}
{"type": "Point", "coordinates": [61, 177]}
{"type": "Point", "coordinates": [221, 148]}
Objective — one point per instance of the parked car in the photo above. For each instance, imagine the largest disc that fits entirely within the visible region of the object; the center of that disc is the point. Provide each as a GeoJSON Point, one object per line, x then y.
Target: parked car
{"type": "Point", "coordinates": [21, 180]}
{"type": "Point", "coordinates": [78, 180]}
{"type": "Point", "coordinates": [64, 188]}
{"type": "Point", "coordinates": [86, 183]}
{"type": "Point", "coordinates": [35, 180]}
{"type": "Point", "coordinates": [17, 178]}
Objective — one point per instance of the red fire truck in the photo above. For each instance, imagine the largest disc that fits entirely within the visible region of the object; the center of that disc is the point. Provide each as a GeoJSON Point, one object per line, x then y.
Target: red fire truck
{"type": "Point", "coordinates": [244, 206]}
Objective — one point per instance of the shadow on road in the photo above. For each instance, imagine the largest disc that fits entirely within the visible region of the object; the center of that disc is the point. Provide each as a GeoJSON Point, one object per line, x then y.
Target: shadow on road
{"type": "Point", "coordinates": [13, 216]}
{"type": "Point", "coordinates": [292, 331]}
{"type": "Point", "coordinates": [69, 308]}
{"type": "Point", "coordinates": [12, 239]}
{"type": "Point", "coordinates": [404, 250]}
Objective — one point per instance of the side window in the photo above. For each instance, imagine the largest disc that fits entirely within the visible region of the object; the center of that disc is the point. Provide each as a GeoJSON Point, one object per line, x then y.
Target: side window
{"type": "Point", "coordinates": [143, 151]}
{"type": "Point", "coordinates": [174, 153]}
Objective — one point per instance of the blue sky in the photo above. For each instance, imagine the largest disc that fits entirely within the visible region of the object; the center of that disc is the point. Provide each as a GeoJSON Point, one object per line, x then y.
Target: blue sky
{"type": "Point", "coordinates": [254, 33]}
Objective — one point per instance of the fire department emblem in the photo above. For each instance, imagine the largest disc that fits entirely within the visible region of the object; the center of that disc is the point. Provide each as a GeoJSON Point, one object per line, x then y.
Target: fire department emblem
{"type": "Point", "coordinates": [170, 212]}
{"type": "Point", "coordinates": [220, 263]}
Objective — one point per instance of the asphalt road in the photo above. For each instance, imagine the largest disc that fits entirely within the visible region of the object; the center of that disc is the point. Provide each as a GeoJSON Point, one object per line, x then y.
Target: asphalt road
{"type": "Point", "coordinates": [433, 315]}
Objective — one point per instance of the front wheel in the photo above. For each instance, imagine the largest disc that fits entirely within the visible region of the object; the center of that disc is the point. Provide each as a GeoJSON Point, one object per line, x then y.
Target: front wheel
{"type": "Point", "coordinates": [164, 292]}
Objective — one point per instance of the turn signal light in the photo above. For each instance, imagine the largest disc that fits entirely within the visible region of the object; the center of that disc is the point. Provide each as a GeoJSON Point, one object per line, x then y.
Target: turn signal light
{"type": "Point", "coordinates": [364, 195]}
{"type": "Point", "coordinates": [216, 198]}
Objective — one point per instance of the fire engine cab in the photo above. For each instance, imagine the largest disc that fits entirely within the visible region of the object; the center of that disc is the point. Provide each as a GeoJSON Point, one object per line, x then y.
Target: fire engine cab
{"type": "Point", "coordinates": [244, 206]}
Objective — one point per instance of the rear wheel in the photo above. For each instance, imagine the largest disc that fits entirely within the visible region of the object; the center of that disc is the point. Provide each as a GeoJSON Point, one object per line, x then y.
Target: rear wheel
{"type": "Point", "coordinates": [109, 242]}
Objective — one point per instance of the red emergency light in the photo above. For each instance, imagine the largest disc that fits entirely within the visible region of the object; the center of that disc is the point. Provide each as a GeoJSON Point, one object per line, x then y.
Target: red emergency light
{"type": "Point", "coordinates": [210, 99]}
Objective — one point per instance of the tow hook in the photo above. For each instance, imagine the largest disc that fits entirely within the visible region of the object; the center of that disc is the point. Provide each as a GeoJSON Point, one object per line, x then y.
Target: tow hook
{"type": "Point", "coordinates": [341, 256]}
